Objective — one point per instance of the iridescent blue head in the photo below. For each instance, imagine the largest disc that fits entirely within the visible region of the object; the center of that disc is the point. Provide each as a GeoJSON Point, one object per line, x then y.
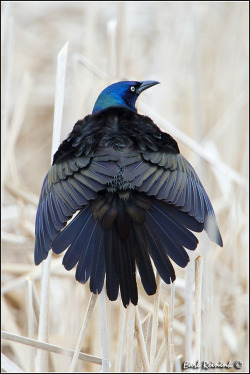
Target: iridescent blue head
{"type": "Point", "coordinates": [121, 94]}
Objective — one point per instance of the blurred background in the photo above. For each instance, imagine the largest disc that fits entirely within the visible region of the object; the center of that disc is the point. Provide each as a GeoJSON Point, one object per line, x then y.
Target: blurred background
{"type": "Point", "coordinates": [199, 53]}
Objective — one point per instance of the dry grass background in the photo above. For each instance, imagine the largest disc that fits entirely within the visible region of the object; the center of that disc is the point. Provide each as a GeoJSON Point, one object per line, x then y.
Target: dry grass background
{"type": "Point", "coordinates": [199, 53]}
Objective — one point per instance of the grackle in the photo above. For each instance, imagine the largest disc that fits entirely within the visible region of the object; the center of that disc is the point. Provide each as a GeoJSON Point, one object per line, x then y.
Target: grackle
{"type": "Point", "coordinates": [136, 198]}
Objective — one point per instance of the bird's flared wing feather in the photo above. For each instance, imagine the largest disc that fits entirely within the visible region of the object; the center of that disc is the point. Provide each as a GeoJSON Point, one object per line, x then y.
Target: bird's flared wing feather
{"type": "Point", "coordinates": [68, 186]}
{"type": "Point", "coordinates": [169, 177]}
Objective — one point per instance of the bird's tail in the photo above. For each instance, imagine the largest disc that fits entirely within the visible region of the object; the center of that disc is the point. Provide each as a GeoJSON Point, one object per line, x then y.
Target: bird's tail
{"type": "Point", "coordinates": [112, 236]}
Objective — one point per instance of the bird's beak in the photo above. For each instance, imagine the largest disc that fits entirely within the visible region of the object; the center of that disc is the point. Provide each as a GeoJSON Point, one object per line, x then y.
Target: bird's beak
{"type": "Point", "coordinates": [145, 85]}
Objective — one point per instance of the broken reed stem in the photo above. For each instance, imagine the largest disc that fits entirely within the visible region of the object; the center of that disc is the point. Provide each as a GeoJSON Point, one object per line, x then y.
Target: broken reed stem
{"type": "Point", "coordinates": [85, 323]}
{"type": "Point", "coordinates": [177, 363]}
{"type": "Point", "coordinates": [198, 286]}
{"type": "Point", "coordinates": [49, 347]}
{"type": "Point", "coordinates": [58, 112]}
{"type": "Point", "coordinates": [155, 320]}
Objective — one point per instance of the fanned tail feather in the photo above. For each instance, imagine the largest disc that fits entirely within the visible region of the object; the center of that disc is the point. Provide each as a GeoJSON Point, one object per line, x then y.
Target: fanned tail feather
{"type": "Point", "coordinates": [143, 259]}
{"type": "Point", "coordinates": [125, 268]}
{"type": "Point", "coordinates": [112, 236]}
{"type": "Point", "coordinates": [112, 281]}
{"type": "Point", "coordinates": [98, 267]}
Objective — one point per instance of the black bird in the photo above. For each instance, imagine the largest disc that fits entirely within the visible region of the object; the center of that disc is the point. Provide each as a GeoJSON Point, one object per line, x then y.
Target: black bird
{"type": "Point", "coordinates": [135, 197]}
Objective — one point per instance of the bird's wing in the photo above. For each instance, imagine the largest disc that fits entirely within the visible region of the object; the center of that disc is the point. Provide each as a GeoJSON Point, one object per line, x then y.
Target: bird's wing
{"type": "Point", "coordinates": [169, 177]}
{"type": "Point", "coordinates": [68, 186]}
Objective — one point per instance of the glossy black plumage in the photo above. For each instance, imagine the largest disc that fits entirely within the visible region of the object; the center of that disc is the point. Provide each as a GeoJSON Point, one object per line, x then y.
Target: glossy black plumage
{"type": "Point", "coordinates": [136, 196]}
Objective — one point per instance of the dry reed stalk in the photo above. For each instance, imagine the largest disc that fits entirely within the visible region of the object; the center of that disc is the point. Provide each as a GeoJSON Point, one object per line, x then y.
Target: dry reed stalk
{"type": "Point", "coordinates": [172, 358]}
{"type": "Point", "coordinates": [49, 347]}
{"type": "Point", "coordinates": [226, 119]}
{"type": "Point", "coordinates": [111, 48]}
{"type": "Point", "coordinates": [4, 21]}
{"type": "Point", "coordinates": [195, 75]}
{"type": "Point", "coordinates": [91, 67]}
{"type": "Point", "coordinates": [164, 348]}
{"type": "Point", "coordinates": [141, 341]}
{"type": "Point", "coordinates": [16, 122]}
{"type": "Point", "coordinates": [146, 306]}
{"type": "Point", "coordinates": [167, 330]}
{"type": "Point", "coordinates": [160, 357]}
{"type": "Point", "coordinates": [189, 281]}
{"type": "Point", "coordinates": [59, 98]}
{"type": "Point", "coordinates": [35, 301]}
{"type": "Point", "coordinates": [16, 268]}
{"type": "Point", "coordinates": [197, 298]}
{"type": "Point", "coordinates": [197, 148]}
{"type": "Point", "coordinates": [121, 40]}
{"type": "Point", "coordinates": [120, 339]}
{"type": "Point", "coordinates": [7, 23]}
{"type": "Point", "coordinates": [82, 334]}
{"type": "Point", "coordinates": [145, 330]}
{"type": "Point", "coordinates": [171, 328]}
{"type": "Point", "coordinates": [177, 364]}
{"type": "Point", "coordinates": [17, 192]}
{"type": "Point", "coordinates": [27, 227]}
{"type": "Point", "coordinates": [9, 323]}
{"type": "Point", "coordinates": [166, 322]}
{"type": "Point", "coordinates": [41, 356]}
{"type": "Point", "coordinates": [13, 238]}
{"type": "Point", "coordinates": [9, 366]}
{"type": "Point", "coordinates": [20, 281]}
{"type": "Point", "coordinates": [104, 333]}
{"type": "Point", "coordinates": [154, 332]}
{"type": "Point", "coordinates": [20, 269]}
{"type": "Point", "coordinates": [34, 274]}
{"type": "Point", "coordinates": [167, 346]}
{"type": "Point", "coordinates": [30, 321]}
{"type": "Point", "coordinates": [130, 332]}
{"type": "Point", "coordinates": [41, 361]}
{"type": "Point", "coordinates": [150, 49]}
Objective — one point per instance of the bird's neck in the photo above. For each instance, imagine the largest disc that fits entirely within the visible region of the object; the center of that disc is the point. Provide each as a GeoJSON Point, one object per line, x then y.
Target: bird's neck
{"type": "Point", "coordinates": [106, 102]}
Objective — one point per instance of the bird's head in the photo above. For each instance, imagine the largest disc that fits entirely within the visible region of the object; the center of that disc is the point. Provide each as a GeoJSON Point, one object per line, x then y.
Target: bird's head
{"type": "Point", "coordinates": [121, 94]}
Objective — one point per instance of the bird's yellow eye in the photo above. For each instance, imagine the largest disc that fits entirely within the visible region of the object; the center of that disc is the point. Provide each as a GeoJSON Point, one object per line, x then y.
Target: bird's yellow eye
{"type": "Point", "coordinates": [132, 88]}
